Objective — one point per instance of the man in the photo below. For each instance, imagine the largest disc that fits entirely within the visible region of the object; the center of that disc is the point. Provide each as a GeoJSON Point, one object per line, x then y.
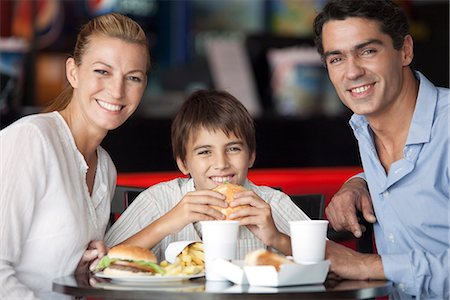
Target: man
{"type": "Point", "coordinates": [401, 123]}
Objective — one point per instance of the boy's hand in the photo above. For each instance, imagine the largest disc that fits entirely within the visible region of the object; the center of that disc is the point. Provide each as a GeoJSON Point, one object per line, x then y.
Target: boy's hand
{"type": "Point", "coordinates": [257, 217]}
{"type": "Point", "coordinates": [196, 206]}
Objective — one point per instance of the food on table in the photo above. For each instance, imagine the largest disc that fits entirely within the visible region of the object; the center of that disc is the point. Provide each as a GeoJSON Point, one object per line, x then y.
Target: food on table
{"type": "Point", "coordinates": [229, 189]}
{"type": "Point", "coordinates": [190, 261]}
{"type": "Point", "coordinates": [129, 260]}
{"type": "Point", "coordinates": [264, 257]}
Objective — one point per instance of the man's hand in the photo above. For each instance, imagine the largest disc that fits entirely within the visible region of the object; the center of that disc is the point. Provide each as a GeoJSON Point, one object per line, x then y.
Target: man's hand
{"type": "Point", "coordinates": [341, 211]}
{"type": "Point", "coordinates": [349, 264]}
{"type": "Point", "coordinates": [95, 251]}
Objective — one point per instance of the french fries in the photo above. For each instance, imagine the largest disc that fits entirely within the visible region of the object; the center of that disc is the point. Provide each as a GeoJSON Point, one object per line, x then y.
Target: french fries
{"type": "Point", "coordinates": [190, 261]}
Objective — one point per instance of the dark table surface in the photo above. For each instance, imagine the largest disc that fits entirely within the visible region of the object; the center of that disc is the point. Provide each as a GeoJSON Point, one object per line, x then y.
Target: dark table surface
{"type": "Point", "coordinates": [80, 285]}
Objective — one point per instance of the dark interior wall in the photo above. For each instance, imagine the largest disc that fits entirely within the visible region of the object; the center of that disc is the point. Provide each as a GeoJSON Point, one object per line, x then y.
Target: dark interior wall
{"type": "Point", "coordinates": [143, 144]}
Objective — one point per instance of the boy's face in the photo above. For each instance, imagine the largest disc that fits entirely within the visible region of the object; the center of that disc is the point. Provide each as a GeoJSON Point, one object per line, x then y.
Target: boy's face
{"type": "Point", "coordinates": [213, 158]}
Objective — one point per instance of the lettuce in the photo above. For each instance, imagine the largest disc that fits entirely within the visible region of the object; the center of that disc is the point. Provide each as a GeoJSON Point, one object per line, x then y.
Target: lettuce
{"type": "Point", "coordinates": [105, 262]}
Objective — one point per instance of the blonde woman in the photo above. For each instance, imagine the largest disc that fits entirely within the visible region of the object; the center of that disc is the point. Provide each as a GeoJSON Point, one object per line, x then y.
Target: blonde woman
{"type": "Point", "coordinates": [56, 180]}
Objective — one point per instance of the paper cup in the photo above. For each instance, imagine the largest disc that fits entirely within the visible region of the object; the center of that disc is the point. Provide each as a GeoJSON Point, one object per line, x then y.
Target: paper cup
{"type": "Point", "coordinates": [219, 241]}
{"type": "Point", "coordinates": [308, 239]}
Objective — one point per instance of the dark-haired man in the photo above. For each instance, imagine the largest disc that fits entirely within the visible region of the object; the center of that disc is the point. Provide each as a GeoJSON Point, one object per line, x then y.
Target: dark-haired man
{"type": "Point", "coordinates": [401, 121]}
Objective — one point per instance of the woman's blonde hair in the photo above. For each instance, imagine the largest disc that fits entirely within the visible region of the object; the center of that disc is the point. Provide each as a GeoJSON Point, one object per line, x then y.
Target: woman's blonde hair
{"type": "Point", "coordinates": [112, 25]}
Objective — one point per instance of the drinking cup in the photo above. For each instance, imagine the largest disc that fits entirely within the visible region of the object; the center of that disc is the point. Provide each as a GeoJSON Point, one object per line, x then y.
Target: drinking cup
{"type": "Point", "coordinates": [308, 239]}
{"type": "Point", "coordinates": [219, 241]}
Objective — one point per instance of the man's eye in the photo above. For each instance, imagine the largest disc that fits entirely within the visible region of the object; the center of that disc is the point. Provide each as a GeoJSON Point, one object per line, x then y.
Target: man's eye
{"type": "Point", "coordinates": [334, 60]}
{"type": "Point", "coordinates": [204, 152]}
{"type": "Point", "coordinates": [368, 51]}
{"type": "Point", "coordinates": [103, 72]}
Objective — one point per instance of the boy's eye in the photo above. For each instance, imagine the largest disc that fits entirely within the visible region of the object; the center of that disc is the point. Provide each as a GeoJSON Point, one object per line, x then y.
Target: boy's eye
{"type": "Point", "coordinates": [204, 152]}
{"type": "Point", "coordinates": [234, 149]}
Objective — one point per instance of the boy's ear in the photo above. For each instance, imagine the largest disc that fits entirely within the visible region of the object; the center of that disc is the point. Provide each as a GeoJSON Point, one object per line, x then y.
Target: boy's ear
{"type": "Point", "coordinates": [252, 159]}
{"type": "Point", "coordinates": [182, 166]}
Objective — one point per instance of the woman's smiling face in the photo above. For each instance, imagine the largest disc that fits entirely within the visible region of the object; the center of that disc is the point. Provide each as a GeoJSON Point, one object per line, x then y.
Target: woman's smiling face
{"type": "Point", "coordinates": [109, 82]}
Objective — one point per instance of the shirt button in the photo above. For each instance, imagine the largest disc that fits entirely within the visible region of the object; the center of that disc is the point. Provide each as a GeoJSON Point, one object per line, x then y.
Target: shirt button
{"type": "Point", "coordinates": [401, 286]}
{"type": "Point", "coordinates": [386, 193]}
{"type": "Point", "coordinates": [409, 152]}
{"type": "Point", "coordinates": [391, 237]}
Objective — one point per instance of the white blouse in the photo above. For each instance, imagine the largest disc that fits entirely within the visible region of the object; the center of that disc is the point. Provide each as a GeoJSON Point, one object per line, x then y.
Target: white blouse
{"type": "Point", "coordinates": [157, 200]}
{"type": "Point", "coordinates": [47, 216]}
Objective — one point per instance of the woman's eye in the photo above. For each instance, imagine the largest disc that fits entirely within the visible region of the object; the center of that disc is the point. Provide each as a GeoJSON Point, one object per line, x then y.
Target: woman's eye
{"type": "Point", "coordinates": [102, 72]}
{"type": "Point", "coordinates": [135, 78]}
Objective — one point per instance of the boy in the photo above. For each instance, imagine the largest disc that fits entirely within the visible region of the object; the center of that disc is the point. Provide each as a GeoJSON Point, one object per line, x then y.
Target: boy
{"type": "Point", "coordinates": [213, 141]}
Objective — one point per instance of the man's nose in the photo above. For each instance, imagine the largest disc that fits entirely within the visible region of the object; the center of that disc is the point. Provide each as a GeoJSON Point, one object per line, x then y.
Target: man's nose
{"type": "Point", "coordinates": [354, 69]}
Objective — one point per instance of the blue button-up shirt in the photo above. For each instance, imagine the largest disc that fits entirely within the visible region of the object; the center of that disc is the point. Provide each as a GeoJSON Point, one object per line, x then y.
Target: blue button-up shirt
{"type": "Point", "coordinates": [411, 202]}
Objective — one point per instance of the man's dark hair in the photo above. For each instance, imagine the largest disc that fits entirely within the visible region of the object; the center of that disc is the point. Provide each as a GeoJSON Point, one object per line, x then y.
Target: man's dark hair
{"type": "Point", "coordinates": [390, 16]}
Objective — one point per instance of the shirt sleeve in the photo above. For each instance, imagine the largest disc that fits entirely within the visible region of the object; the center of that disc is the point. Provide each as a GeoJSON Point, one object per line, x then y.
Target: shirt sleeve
{"type": "Point", "coordinates": [419, 273]}
{"type": "Point", "coordinates": [284, 210]}
{"type": "Point", "coordinates": [359, 175]}
{"type": "Point", "coordinates": [22, 163]}
{"type": "Point", "coordinates": [136, 217]}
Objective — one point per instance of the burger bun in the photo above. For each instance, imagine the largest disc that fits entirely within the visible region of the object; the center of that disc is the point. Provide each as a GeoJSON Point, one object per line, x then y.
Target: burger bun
{"type": "Point", "coordinates": [264, 257]}
{"type": "Point", "coordinates": [229, 190]}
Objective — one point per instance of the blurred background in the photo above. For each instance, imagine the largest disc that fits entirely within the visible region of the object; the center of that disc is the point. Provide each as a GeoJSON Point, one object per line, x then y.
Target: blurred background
{"type": "Point", "coordinates": [259, 50]}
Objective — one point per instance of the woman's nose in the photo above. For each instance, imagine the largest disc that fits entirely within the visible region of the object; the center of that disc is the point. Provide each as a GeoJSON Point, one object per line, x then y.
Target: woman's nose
{"type": "Point", "coordinates": [116, 88]}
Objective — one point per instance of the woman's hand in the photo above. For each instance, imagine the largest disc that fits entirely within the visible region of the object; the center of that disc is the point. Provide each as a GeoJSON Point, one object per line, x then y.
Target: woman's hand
{"type": "Point", "coordinates": [95, 251]}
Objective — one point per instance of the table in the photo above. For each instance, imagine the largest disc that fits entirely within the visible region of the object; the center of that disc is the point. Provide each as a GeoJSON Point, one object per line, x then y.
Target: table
{"type": "Point", "coordinates": [198, 289]}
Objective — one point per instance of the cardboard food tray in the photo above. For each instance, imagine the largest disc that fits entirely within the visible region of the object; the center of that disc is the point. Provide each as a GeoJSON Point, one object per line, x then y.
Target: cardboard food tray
{"type": "Point", "coordinates": [289, 274]}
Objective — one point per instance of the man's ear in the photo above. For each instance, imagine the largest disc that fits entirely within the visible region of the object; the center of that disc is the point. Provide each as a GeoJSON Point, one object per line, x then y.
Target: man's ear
{"type": "Point", "coordinates": [72, 72]}
{"type": "Point", "coordinates": [252, 159]}
{"type": "Point", "coordinates": [408, 50]}
{"type": "Point", "coordinates": [182, 166]}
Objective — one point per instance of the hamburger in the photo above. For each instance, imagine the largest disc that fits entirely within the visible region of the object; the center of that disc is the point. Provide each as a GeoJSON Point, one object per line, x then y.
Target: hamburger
{"type": "Point", "coordinates": [126, 260]}
{"type": "Point", "coordinates": [264, 257]}
{"type": "Point", "coordinates": [229, 189]}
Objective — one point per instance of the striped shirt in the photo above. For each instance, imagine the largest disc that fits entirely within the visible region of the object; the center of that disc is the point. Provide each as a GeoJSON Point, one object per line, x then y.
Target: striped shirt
{"type": "Point", "coordinates": [159, 199]}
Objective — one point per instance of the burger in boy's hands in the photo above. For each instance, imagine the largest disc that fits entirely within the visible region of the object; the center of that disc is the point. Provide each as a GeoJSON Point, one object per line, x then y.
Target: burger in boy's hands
{"type": "Point", "coordinates": [229, 190]}
{"type": "Point", "coordinates": [129, 260]}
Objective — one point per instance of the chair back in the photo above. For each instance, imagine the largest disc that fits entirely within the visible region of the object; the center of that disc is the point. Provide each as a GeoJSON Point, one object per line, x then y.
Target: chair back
{"type": "Point", "coordinates": [123, 197]}
{"type": "Point", "coordinates": [310, 204]}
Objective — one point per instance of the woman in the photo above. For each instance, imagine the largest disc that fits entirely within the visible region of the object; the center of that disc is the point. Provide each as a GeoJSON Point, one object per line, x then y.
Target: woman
{"type": "Point", "coordinates": [56, 180]}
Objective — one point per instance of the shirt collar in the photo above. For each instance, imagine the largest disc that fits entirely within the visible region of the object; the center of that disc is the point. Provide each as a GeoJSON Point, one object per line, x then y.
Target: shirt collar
{"type": "Point", "coordinates": [422, 121]}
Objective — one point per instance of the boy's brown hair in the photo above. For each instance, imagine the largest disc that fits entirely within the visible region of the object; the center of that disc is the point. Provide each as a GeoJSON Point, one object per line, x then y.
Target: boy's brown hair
{"type": "Point", "coordinates": [212, 110]}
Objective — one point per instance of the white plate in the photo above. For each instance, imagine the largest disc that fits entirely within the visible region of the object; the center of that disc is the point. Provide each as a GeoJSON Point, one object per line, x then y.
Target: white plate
{"type": "Point", "coordinates": [148, 279]}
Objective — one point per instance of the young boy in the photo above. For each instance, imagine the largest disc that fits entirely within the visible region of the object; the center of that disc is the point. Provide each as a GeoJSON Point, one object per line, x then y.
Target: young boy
{"type": "Point", "coordinates": [213, 141]}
